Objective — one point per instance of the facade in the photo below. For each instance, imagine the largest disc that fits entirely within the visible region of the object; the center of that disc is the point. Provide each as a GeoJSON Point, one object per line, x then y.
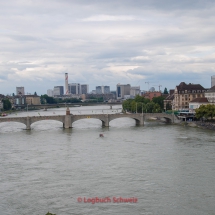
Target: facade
{"type": "Point", "coordinates": [212, 80]}
{"type": "Point", "coordinates": [151, 95]}
{"type": "Point", "coordinates": [99, 90]}
{"type": "Point", "coordinates": [184, 93]}
{"type": "Point", "coordinates": [106, 96]}
{"type": "Point", "coordinates": [20, 91]}
{"type": "Point", "coordinates": [106, 89]}
{"type": "Point", "coordinates": [210, 95]}
{"type": "Point", "coordinates": [122, 90]}
{"type": "Point", "coordinates": [50, 93]}
{"type": "Point", "coordinates": [168, 101]}
{"type": "Point", "coordinates": [84, 88]}
{"type": "Point", "coordinates": [20, 100]}
{"type": "Point", "coordinates": [135, 91]}
{"type": "Point", "coordinates": [32, 100]}
{"type": "Point", "coordinates": [74, 88]}
{"type": "Point", "coordinates": [196, 103]}
{"type": "Point", "coordinates": [58, 90]}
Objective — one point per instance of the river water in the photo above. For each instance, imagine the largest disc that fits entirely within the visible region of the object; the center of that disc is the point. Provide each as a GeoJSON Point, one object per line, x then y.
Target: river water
{"type": "Point", "coordinates": [169, 169]}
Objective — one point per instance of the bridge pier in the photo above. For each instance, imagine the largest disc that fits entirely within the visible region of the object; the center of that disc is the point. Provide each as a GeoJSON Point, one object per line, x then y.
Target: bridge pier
{"type": "Point", "coordinates": [140, 121]}
{"type": "Point", "coordinates": [105, 123]}
{"type": "Point", "coordinates": [28, 123]}
{"type": "Point", "coordinates": [67, 120]}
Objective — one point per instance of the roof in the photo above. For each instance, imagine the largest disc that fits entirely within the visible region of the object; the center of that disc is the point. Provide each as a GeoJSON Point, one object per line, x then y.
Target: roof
{"type": "Point", "coordinates": [212, 89]}
{"type": "Point", "coordinates": [184, 86]}
{"type": "Point", "coordinates": [170, 97]}
{"type": "Point", "coordinates": [200, 100]}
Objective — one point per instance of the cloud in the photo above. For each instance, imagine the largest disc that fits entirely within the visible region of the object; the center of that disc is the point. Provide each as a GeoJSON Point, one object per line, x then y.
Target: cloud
{"type": "Point", "coordinates": [105, 42]}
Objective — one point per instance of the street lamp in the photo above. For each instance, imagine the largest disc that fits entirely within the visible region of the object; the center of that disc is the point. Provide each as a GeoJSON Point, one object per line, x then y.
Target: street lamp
{"type": "Point", "coordinates": [136, 107]}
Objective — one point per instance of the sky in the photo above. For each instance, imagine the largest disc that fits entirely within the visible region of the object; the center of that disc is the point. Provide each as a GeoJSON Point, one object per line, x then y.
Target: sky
{"type": "Point", "coordinates": [163, 42]}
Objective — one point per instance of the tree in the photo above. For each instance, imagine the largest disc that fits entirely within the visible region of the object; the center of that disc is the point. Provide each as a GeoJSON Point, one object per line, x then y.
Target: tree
{"type": "Point", "coordinates": [159, 100]}
{"type": "Point", "coordinates": [165, 91]}
{"type": "Point", "coordinates": [206, 111]}
{"type": "Point", "coordinates": [6, 104]}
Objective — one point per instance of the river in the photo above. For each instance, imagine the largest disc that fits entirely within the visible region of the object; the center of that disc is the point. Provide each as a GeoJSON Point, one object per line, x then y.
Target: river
{"type": "Point", "coordinates": [166, 169]}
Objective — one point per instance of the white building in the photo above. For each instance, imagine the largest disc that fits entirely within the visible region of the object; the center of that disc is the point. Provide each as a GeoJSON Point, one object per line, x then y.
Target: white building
{"type": "Point", "coordinates": [210, 95]}
{"type": "Point", "coordinates": [50, 93]}
{"type": "Point", "coordinates": [122, 90]}
{"type": "Point", "coordinates": [20, 91]}
{"type": "Point", "coordinates": [135, 91]}
{"type": "Point", "coordinates": [196, 103]}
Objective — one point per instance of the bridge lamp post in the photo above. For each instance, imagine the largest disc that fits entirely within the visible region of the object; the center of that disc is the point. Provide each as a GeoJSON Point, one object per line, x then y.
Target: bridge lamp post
{"type": "Point", "coordinates": [136, 107]}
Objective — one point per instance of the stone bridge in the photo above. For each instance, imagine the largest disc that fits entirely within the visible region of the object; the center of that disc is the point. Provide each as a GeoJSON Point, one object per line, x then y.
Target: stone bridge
{"type": "Point", "coordinates": [68, 119]}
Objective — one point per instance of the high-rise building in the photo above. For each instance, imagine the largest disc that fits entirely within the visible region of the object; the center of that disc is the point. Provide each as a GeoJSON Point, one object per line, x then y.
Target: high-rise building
{"type": "Point", "coordinates": [66, 84]}
{"type": "Point", "coordinates": [98, 89]}
{"type": "Point", "coordinates": [58, 90]}
{"type": "Point", "coordinates": [20, 91]}
{"type": "Point", "coordinates": [135, 91]}
{"type": "Point", "coordinates": [84, 89]}
{"type": "Point", "coordinates": [212, 80]}
{"type": "Point", "coordinates": [106, 89]}
{"type": "Point", "coordinates": [50, 93]}
{"type": "Point", "coordinates": [74, 88]}
{"type": "Point", "coordinates": [122, 90]}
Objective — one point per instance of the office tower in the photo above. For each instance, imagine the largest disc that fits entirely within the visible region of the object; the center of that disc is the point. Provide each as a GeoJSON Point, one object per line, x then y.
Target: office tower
{"type": "Point", "coordinates": [212, 80]}
{"type": "Point", "coordinates": [50, 93]}
{"type": "Point", "coordinates": [84, 89]}
{"type": "Point", "coordinates": [135, 91]}
{"type": "Point", "coordinates": [98, 89]}
{"type": "Point", "coordinates": [74, 88]}
{"type": "Point", "coordinates": [122, 90]}
{"type": "Point", "coordinates": [58, 90]}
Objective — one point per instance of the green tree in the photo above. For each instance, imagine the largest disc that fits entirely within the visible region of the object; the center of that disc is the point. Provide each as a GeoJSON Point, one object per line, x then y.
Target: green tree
{"type": "Point", "coordinates": [46, 99]}
{"type": "Point", "coordinates": [150, 107]}
{"type": "Point", "coordinates": [159, 100]}
{"type": "Point", "coordinates": [165, 91]}
{"type": "Point", "coordinates": [6, 104]}
{"type": "Point", "coordinates": [206, 111]}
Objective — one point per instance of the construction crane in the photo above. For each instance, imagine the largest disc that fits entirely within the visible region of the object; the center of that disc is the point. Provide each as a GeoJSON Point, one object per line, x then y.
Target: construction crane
{"type": "Point", "coordinates": [158, 86]}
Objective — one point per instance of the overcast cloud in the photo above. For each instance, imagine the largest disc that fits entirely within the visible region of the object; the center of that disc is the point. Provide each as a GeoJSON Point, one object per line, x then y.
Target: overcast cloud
{"type": "Point", "coordinates": [105, 43]}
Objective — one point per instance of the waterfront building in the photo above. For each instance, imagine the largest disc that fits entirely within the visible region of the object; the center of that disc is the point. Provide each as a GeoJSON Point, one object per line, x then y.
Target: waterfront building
{"type": "Point", "coordinates": [168, 101]}
{"type": "Point", "coordinates": [184, 93]}
{"type": "Point", "coordinates": [122, 90]}
{"type": "Point", "coordinates": [196, 103]}
{"type": "Point", "coordinates": [210, 95]}
{"type": "Point", "coordinates": [32, 100]}
{"type": "Point", "coordinates": [58, 90]}
{"type": "Point", "coordinates": [20, 91]}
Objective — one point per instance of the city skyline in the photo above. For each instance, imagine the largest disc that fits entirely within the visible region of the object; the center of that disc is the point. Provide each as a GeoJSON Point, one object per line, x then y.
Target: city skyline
{"type": "Point", "coordinates": [105, 43]}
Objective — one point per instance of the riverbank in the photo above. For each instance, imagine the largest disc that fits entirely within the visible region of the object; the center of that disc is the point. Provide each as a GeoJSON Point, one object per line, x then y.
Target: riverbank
{"type": "Point", "coordinates": [199, 124]}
